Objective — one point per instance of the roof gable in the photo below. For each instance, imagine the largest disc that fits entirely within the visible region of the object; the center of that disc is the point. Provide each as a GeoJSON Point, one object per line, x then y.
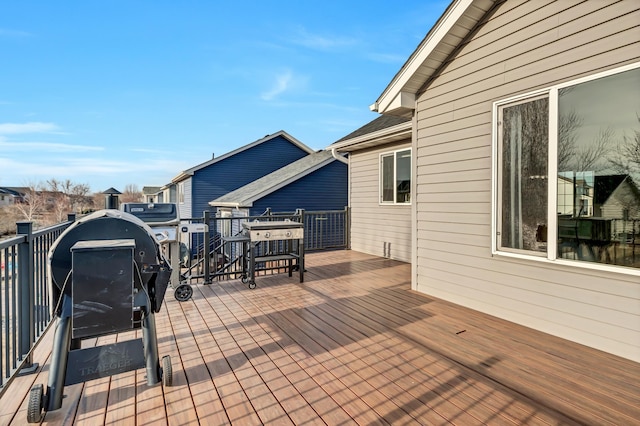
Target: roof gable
{"type": "Point", "coordinates": [246, 195]}
{"type": "Point", "coordinates": [189, 172]}
{"type": "Point", "coordinates": [605, 185]}
{"type": "Point", "coordinates": [444, 38]}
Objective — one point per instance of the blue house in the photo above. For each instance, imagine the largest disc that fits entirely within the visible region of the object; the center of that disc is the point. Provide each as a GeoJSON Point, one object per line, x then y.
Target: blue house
{"type": "Point", "coordinates": [195, 187]}
{"type": "Point", "coordinates": [315, 182]}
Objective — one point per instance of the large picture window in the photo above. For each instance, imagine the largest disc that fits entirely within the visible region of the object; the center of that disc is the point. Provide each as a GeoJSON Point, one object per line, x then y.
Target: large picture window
{"type": "Point", "coordinates": [395, 177]}
{"type": "Point", "coordinates": [587, 134]}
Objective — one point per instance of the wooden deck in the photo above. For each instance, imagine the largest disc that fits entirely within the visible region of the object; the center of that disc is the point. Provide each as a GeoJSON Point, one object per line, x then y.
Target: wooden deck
{"type": "Point", "coordinates": [352, 345]}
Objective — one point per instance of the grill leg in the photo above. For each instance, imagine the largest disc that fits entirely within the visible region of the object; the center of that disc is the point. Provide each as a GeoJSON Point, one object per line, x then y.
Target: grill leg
{"type": "Point", "coordinates": [150, 343]}
{"type": "Point", "coordinates": [59, 356]}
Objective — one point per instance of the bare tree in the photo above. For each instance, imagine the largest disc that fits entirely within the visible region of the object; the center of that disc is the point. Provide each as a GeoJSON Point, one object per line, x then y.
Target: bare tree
{"type": "Point", "coordinates": [626, 156]}
{"type": "Point", "coordinates": [591, 157]}
{"type": "Point", "coordinates": [577, 155]}
{"type": "Point", "coordinates": [33, 205]}
{"type": "Point", "coordinates": [8, 219]}
{"type": "Point", "coordinates": [567, 138]}
{"type": "Point", "coordinates": [67, 197]}
{"type": "Point", "coordinates": [131, 194]}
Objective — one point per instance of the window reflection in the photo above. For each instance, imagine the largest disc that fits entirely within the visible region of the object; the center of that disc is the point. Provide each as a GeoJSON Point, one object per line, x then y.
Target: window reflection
{"type": "Point", "coordinates": [524, 179]}
{"type": "Point", "coordinates": [598, 201]}
{"type": "Point", "coordinates": [403, 176]}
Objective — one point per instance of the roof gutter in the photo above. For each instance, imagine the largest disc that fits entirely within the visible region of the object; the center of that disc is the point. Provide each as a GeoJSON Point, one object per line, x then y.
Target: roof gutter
{"type": "Point", "coordinates": [229, 204]}
{"type": "Point", "coordinates": [381, 135]}
{"type": "Point", "coordinates": [334, 154]}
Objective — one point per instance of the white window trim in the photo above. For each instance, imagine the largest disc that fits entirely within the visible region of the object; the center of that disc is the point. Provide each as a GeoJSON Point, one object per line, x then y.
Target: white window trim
{"type": "Point", "coordinates": [552, 220]}
{"type": "Point", "coordinates": [394, 153]}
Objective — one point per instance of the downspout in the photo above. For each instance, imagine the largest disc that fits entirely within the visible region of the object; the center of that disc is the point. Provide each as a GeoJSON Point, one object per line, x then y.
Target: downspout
{"type": "Point", "coordinates": [338, 157]}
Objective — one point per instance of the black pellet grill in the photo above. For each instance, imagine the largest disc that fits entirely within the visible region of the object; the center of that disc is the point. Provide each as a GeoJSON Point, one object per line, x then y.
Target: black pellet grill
{"type": "Point", "coordinates": [106, 275]}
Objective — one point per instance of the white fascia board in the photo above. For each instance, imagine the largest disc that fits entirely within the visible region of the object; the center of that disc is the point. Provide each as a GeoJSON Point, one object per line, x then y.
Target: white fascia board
{"type": "Point", "coordinates": [233, 205]}
{"type": "Point", "coordinates": [381, 135]}
{"type": "Point", "coordinates": [406, 73]}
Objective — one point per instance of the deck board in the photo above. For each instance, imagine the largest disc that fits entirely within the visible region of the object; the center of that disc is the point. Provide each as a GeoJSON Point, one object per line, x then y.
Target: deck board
{"type": "Point", "coordinates": [351, 345]}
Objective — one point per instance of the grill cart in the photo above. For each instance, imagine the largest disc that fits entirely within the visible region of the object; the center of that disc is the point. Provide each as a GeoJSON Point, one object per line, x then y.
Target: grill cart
{"type": "Point", "coordinates": [106, 275]}
{"type": "Point", "coordinates": [274, 241]}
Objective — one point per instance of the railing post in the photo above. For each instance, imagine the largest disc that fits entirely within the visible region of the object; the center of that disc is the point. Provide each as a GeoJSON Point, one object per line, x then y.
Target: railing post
{"type": "Point", "coordinates": [301, 213]}
{"type": "Point", "coordinates": [71, 217]}
{"type": "Point", "coordinates": [26, 332]}
{"type": "Point", "coordinates": [207, 247]}
{"type": "Point", "coordinates": [347, 227]}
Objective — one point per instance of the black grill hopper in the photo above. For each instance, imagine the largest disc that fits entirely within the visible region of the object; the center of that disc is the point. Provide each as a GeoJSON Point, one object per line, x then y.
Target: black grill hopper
{"type": "Point", "coordinates": [153, 269]}
{"type": "Point", "coordinates": [107, 275]}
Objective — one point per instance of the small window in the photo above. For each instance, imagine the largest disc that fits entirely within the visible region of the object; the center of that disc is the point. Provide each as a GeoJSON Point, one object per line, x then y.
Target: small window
{"type": "Point", "coordinates": [395, 177]}
{"type": "Point", "coordinates": [181, 192]}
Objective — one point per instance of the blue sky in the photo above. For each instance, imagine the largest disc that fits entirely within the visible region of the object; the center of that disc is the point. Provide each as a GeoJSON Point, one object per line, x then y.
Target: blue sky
{"type": "Point", "coordinates": [110, 93]}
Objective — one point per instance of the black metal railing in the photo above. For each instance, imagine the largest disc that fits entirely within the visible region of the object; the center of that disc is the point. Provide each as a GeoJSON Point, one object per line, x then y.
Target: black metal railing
{"type": "Point", "coordinates": [24, 295]}
{"type": "Point", "coordinates": [323, 230]}
{"type": "Point", "coordinates": [24, 285]}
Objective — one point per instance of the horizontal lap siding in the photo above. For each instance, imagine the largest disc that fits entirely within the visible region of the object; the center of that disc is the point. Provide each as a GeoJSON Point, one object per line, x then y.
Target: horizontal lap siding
{"type": "Point", "coordinates": [320, 190]}
{"type": "Point", "coordinates": [524, 46]}
{"type": "Point", "coordinates": [375, 226]}
{"type": "Point", "coordinates": [240, 169]}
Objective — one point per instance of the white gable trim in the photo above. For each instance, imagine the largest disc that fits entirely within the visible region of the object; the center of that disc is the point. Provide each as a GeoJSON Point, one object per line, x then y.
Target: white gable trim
{"type": "Point", "coordinates": [459, 18]}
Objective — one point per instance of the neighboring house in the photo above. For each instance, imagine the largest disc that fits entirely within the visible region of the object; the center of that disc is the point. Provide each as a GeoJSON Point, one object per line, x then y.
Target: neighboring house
{"type": "Point", "coordinates": [168, 193]}
{"type": "Point", "coordinates": [10, 196]}
{"type": "Point", "coordinates": [198, 185]}
{"type": "Point", "coordinates": [575, 195]}
{"type": "Point", "coordinates": [315, 182]}
{"type": "Point", "coordinates": [617, 197]}
{"type": "Point", "coordinates": [152, 194]}
{"type": "Point", "coordinates": [379, 182]}
{"type": "Point", "coordinates": [491, 90]}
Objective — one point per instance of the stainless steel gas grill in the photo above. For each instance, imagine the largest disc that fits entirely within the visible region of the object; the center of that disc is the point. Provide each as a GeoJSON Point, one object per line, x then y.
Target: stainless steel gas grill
{"type": "Point", "coordinates": [274, 241]}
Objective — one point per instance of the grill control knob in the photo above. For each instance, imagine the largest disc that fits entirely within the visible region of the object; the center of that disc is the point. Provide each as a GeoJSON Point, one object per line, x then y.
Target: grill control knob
{"type": "Point", "coordinates": [267, 234]}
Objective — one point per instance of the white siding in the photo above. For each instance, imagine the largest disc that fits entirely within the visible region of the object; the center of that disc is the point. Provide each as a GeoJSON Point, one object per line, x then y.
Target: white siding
{"type": "Point", "coordinates": [381, 230]}
{"type": "Point", "coordinates": [522, 47]}
{"type": "Point", "coordinates": [185, 207]}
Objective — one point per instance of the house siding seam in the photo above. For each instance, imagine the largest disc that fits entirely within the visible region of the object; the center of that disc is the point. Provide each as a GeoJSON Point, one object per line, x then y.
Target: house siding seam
{"type": "Point", "coordinates": [381, 230]}
{"type": "Point", "coordinates": [240, 169]}
{"type": "Point", "coordinates": [524, 46]}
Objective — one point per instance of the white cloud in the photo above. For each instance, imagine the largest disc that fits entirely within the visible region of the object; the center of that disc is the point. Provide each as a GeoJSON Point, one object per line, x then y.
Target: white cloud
{"type": "Point", "coordinates": [99, 173]}
{"type": "Point", "coordinates": [45, 146]}
{"type": "Point", "coordinates": [387, 58]}
{"type": "Point", "coordinates": [4, 32]}
{"type": "Point", "coordinates": [151, 151]}
{"type": "Point", "coordinates": [319, 42]}
{"type": "Point", "coordinates": [281, 84]}
{"type": "Point", "coordinates": [31, 127]}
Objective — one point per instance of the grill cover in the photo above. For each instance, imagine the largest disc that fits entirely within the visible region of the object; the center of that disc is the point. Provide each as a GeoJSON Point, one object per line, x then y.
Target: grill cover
{"type": "Point", "coordinates": [154, 271]}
